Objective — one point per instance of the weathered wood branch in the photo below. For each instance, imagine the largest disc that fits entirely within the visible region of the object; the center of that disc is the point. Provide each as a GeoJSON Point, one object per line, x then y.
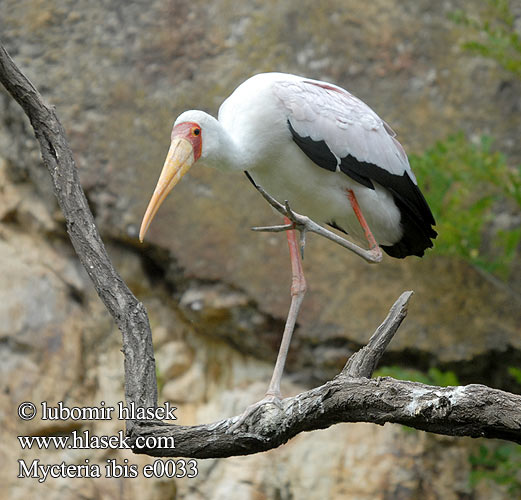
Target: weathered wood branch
{"type": "Point", "coordinates": [473, 410]}
{"type": "Point", "coordinates": [363, 363]}
{"type": "Point", "coordinates": [128, 313]}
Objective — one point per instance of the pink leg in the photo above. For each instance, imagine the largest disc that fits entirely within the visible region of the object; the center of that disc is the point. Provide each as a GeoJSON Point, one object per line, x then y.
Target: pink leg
{"type": "Point", "coordinates": [298, 289]}
{"type": "Point", "coordinates": [373, 245]}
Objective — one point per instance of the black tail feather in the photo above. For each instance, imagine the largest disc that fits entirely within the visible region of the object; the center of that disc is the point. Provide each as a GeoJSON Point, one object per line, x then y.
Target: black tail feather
{"type": "Point", "coordinates": [417, 232]}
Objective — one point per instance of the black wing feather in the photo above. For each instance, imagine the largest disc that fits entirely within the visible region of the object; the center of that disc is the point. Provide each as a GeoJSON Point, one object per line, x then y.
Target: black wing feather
{"type": "Point", "coordinates": [416, 216]}
{"type": "Point", "coordinates": [317, 151]}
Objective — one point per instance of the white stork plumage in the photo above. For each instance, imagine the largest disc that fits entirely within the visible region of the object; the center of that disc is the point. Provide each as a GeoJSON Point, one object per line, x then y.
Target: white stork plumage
{"type": "Point", "coordinates": [320, 148]}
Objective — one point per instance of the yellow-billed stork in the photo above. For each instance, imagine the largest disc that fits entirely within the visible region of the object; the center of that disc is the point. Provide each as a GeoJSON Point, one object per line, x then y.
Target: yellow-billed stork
{"type": "Point", "coordinates": [321, 150]}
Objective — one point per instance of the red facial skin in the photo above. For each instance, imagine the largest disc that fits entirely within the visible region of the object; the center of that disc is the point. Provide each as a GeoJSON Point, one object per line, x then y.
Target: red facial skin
{"type": "Point", "coordinates": [191, 132]}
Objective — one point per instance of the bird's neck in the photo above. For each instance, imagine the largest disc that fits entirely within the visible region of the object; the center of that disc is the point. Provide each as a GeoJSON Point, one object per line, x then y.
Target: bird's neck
{"type": "Point", "coordinates": [221, 151]}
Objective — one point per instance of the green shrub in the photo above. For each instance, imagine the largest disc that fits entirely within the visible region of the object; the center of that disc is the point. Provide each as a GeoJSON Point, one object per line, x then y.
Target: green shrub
{"type": "Point", "coordinates": [497, 37]}
{"type": "Point", "coordinates": [500, 464]}
{"type": "Point", "coordinates": [465, 183]}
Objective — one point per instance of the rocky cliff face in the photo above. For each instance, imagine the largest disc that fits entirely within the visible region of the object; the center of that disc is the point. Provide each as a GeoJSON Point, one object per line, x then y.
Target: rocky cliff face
{"type": "Point", "coordinates": [119, 73]}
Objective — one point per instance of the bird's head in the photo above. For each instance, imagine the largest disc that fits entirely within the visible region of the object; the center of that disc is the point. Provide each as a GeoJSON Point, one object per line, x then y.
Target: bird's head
{"type": "Point", "coordinates": [185, 149]}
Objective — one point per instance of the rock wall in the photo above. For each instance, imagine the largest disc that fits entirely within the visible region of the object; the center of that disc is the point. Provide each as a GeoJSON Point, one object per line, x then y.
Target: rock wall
{"type": "Point", "coordinates": [119, 73]}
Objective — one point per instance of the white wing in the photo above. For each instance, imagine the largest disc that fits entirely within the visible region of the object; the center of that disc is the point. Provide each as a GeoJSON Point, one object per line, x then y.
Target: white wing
{"type": "Point", "coordinates": [325, 112]}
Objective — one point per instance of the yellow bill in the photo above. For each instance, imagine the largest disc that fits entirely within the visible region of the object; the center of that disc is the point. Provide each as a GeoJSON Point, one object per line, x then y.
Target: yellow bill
{"type": "Point", "coordinates": [178, 161]}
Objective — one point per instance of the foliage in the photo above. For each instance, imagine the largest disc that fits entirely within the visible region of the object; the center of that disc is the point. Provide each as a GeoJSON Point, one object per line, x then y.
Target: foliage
{"type": "Point", "coordinates": [488, 172]}
{"type": "Point", "coordinates": [501, 464]}
{"type": "Point", "coordinates": [433, 377]}
{"type": "Point", "coordinates": [498, 39]}
{"type": "Point", "coordinates": [463, 182]}
{"type": "Point", "coordinates": [515, 372]}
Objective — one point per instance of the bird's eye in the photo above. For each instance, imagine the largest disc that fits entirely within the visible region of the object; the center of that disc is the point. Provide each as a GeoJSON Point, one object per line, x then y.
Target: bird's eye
{"type": "Point", "coordinates": [196, 131]}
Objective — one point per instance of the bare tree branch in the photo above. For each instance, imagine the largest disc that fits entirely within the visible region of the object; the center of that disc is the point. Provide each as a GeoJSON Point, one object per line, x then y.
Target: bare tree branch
{"type": "Point", "coordinates": [128, 313]}
{"type": "Point", "coordinates": [473, 410]}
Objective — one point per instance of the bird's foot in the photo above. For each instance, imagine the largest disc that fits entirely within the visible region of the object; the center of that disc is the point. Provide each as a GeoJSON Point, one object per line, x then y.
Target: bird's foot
{"type": "Point", "coordinates": [301, 223]}
{"type": "Point", "coordinates": [304, 224]}
{"type": "Point", "coordinates": [375, 254]}
{"type": "Point", "coordinates": [250, 410]}
{"type": "Point", "coordinates": [298, 222]}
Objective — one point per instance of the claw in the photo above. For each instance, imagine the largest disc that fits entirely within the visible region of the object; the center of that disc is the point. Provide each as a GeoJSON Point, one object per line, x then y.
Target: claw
{"type": "Point", "coordinates": [272, 201]}
{"type": "Point", "coordinates": [273, 229]}
{"type": "Point", "coordinates": [289, 212]}
{"type": "Point", "coordinates": [250, 410]}
{"type": "Point", "coordinates": [292, 216]}
{"type": "Point", "coordinates": [302, 223]}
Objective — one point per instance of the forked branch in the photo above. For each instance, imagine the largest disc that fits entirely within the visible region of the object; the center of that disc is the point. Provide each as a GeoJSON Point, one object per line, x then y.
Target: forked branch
{"type": "Point", "coordinates": [473, 410]}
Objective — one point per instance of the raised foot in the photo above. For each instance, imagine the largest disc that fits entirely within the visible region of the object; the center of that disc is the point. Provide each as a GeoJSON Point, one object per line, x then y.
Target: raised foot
{"type": "Point", "coordinates": [250, 410]}
{"type": "Point", "coordinates": [296, 221]}
{"type": "Point", "coordinates": [304, 224]}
